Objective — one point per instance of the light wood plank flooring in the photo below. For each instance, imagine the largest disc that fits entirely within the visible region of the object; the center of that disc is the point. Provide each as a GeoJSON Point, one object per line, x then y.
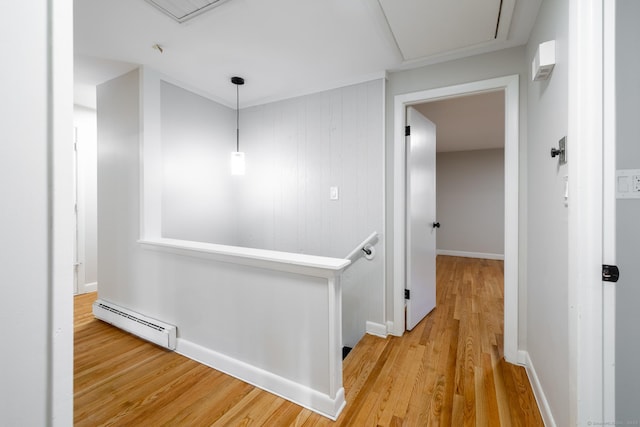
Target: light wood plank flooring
{"type": "Point", "coordinates": [448, 371]}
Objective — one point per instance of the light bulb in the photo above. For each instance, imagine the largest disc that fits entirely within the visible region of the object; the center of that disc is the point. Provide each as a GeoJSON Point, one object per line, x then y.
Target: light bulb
{"type": "Point", "coordinates": [237, 163]}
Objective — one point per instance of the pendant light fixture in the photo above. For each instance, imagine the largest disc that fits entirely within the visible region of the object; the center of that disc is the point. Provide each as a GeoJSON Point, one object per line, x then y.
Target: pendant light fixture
{"type": "Point", "coordinates": [237, 157]}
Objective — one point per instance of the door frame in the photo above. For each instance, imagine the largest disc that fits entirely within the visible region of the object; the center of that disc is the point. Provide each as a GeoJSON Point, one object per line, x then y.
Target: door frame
{"type": "Point", "coordinates": [609, 209]}
{"type": "Point", "coordinates": [510, 86]}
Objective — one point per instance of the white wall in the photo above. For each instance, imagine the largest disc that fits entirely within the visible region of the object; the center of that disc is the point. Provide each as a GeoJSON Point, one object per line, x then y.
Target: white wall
{"type": "Point", "coordinates": [470, 201]}
{"type": "Point", "coordinates": [627, 213]}
{"type": "Point", "coordinates": [36, 365]}
{"type": "Point", "coordinates": [547, 279]}
{"type": "Point", "coordinates": [295, 151]}
{"type": "Point", "coordinates": [476, 68]}
{"type": "Point", "coordinates": [279, 326]}
{"type": "Point", "coordinates": [86, 128]}
{"type": "Point", "coordinates": [198, 193]}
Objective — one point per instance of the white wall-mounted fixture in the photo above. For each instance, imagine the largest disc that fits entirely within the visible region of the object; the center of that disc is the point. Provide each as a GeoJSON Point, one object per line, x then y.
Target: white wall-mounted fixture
{"type": "Point", "coordinates": [544, 61]}
{"type": "Point", "coordinates": [237, 157]}
{"type": "Point", "coordinates": [160, 333]}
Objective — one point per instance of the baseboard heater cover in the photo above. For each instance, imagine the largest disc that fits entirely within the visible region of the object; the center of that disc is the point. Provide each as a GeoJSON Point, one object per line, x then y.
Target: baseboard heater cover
{"type": "Point", "coordinates": [160, 333]}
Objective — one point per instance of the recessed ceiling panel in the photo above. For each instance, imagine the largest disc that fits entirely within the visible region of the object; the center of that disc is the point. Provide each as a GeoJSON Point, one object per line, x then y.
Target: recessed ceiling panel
{"type": "Point", "coordinates": [427, 27]}
{"type": "Point", "coordinates": [182, 10]}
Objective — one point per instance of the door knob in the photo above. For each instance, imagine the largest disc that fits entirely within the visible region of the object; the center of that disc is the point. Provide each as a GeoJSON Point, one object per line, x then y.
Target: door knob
{"type": "Point", "coordinates": [436, 225]}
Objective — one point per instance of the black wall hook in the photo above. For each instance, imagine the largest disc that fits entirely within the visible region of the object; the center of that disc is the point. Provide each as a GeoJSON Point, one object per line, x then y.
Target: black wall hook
{"type": "Point", "coordinates": [561, 151]}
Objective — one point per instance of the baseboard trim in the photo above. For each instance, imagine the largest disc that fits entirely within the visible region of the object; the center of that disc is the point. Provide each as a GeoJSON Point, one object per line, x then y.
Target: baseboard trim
{"type": "Point", "coordinates": [376, 329]}
{"type": "Point", "coordinates": [522, 357]}
{"type": "Point", "coordinates": [541, 398]}
{"type": "Point", "coordinates": [464, 254]}
{"type": "Point", "coordinates": [391, 329]}
{"type": "Point", "coordinates": [297, 393]}
{"type": "Point", "coordinates": [90, 287]}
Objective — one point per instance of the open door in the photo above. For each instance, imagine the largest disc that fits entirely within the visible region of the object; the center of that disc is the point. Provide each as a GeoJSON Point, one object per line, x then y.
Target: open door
{"type": "Point", "coordinates": [421, 217]}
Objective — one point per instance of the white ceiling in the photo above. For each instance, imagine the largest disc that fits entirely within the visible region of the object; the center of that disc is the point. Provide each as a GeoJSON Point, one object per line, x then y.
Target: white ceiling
{"type": "Point", "coordinates": [286, 48]}
{"type": "Point", "coordinates": [473, 122]}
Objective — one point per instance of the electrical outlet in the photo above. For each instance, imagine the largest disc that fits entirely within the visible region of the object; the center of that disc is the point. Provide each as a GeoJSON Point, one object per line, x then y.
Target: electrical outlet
{"type": "Point", "coordinates": [635, 184]}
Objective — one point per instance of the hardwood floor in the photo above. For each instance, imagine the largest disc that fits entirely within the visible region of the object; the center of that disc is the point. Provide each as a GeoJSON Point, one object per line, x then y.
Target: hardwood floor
{"type": "Point", "coordinates": [448, 371]}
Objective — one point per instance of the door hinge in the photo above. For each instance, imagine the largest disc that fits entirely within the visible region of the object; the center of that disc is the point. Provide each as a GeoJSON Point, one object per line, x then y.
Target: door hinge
{"type": "Point", "coordinates": [407, 130]}
{"type": "Point", "coordinates": [610, 273]}
{"type": "Point", "coordinates": [407, 294]}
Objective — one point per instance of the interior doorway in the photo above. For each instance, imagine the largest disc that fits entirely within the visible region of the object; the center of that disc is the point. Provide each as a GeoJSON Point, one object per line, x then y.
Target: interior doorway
{"type": "Point", "coordinates": [510, 87]}
{"type": "Point", "coordinates": [468, 180]}
{"type": "Point", "coordinates": [85, 200]}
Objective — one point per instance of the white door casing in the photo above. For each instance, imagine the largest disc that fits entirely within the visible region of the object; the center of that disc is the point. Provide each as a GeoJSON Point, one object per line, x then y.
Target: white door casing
{"type": "Point", "coordinates": [510, 85]}
{"type": "Point", "coordinates": [421, 214]}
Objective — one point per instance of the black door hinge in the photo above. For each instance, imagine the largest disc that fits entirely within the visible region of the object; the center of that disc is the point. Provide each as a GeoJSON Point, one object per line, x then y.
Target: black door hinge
{"type": "Point", "coordinates": [407, 294]}
{"type": "Point", "coordinates": [610, 273]}
{"type": "Point", "coordinates": [407, 130]}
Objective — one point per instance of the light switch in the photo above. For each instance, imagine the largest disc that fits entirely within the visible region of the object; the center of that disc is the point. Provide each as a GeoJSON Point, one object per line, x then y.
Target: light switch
{"type": "Point", "coordinates": [623, 184]}
{"type": "Point", "coordinates": [333, 193]}
{"type": "Point", "coordinates": [628, 184]}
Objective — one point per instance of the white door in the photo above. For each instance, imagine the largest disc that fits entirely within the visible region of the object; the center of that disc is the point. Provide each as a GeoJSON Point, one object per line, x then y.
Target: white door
{"type": "Point", "coordinates": [421, 217]}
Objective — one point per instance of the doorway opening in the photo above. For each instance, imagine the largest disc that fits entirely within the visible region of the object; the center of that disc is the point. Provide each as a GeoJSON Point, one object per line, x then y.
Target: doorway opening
{"type": "Point", "coordinates": [510, 87]}
{"type": "Point", "coordinates": [459, 210]}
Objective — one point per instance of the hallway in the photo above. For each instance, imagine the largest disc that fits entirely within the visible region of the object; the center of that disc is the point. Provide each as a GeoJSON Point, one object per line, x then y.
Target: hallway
{"type": "Point", "coordinates": [448, 371]}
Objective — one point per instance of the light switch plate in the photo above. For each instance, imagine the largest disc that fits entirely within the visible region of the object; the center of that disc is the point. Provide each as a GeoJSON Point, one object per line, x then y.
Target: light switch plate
{"type": "Point", "coordinates": [333, 193]}
{"type": "Point", "coordinates": [628, 184]}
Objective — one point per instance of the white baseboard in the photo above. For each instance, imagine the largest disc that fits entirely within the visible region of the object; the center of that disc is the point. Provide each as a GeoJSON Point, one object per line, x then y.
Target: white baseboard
{"type": "Point", "coordinates": [522, 357]}
{"type": "Point", "coordinates": [543, 404]}
{"type": "Point", "coordinates": [89, 287]}
{"type": "Point", "coordinates": [376, 329]}
{"type": "Point", "coordinates": [299, 394]}
{"type": "Point", "coordinates": [391, 329]}
{"type": "Point", "coordinates": [464, 254]}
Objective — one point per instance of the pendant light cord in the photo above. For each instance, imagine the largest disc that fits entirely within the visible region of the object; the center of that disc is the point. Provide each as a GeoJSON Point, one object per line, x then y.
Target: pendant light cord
{"type": "Point", "coordinates": [237, 118]}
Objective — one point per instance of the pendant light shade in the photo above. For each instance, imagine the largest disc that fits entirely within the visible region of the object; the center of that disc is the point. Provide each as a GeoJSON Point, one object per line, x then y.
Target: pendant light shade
{"type": "Point", "coordinates": [237, 157]}
{"type": "Point", "coordinates": [237, 163]}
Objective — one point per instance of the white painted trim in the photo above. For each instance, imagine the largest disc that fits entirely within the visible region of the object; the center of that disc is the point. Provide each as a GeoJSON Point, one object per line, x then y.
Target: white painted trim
{"type": "Point", "coordinates": [522, 357]}
{"type": "Point", "coordinates": [89, 287]}
{"type": "Point", "coordinates": [609, 210]}
{"type": "Point", "coordinates": [59, 380]}
{"type": "Point", "coordinates": [377, 329]}
{"type": "Point", "coordinates": [334, 342]}
{"type": "Point", "coordinates": [309, 265]}
{"type": "Point", "coordinates": [464, 254]}
{"type": "Point", "coordinates": [510, 85]}
{"type": "Point", "coordinates": [383, 241]}
{"type": "Point", "coordinates": [299, 394]}
{"type": "Point", "coordinates": [538, 392]}
{"type": "Point", "coordinates": [390, 327]}
{"type": "Point", "coordinates": [585, 129]}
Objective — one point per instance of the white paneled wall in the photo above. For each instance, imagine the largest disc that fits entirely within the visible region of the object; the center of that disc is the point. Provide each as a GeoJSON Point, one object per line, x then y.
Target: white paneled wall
{"type": "Point", "coordinates": [295, 151]}
{"type": "Point", "coordinates": [274, 324]}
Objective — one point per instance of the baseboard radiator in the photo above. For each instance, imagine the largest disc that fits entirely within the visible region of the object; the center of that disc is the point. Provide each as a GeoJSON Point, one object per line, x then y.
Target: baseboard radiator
{"type": "Point", "coordinates": [153, 330]}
